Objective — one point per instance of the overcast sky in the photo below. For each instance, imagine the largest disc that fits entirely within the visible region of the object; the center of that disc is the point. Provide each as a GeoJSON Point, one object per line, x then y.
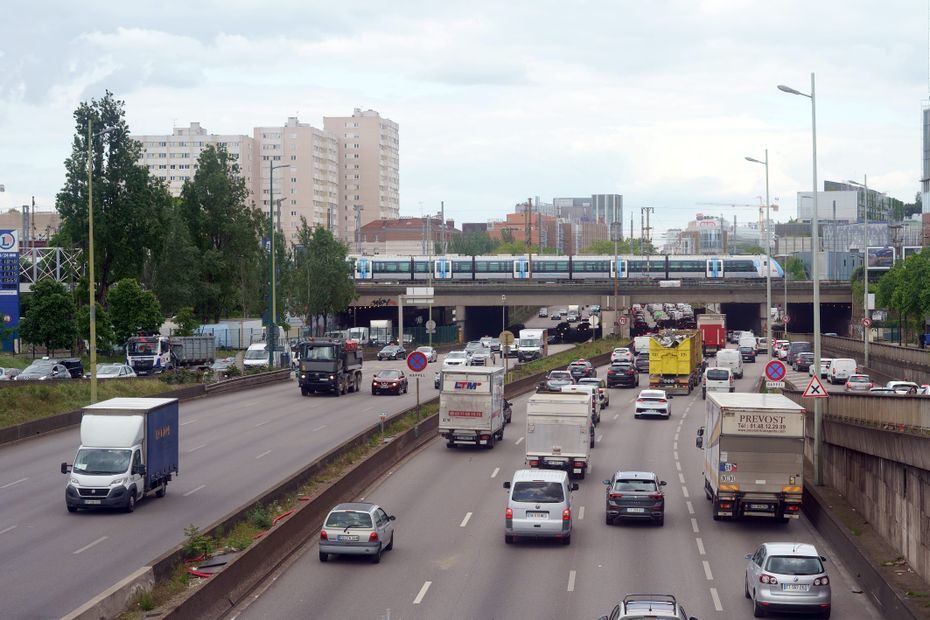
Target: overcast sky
{"type": "Point", "coordinates": [657, 100]}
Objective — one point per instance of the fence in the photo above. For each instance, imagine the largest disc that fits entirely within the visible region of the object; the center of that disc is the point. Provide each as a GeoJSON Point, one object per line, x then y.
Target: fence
{"type": "Point", "coordinates": [444, 334]}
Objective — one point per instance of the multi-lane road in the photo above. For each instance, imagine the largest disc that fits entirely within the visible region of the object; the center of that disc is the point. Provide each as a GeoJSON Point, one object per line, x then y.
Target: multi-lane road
{"type": "Point", "coordinates": [450, 560]}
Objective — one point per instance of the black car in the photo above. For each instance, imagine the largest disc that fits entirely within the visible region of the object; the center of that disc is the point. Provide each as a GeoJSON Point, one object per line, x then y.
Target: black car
{"type": "Point", "coordinates": [803, 361]}
{"type": "Point", "coordinates": [580, 369]}
{"type": "Point", "coordinates": [748, 354]}
{"type": "Point", "coordinates": [392, 352]}
{"type": "Point", "coordinates": [74, 366]}
{"type": "Point", "coordinates": [641, 363]}
{"type": "Point", "coordinates": [635, 495]}
{"type": "Point", "coordinates": [622, 374]}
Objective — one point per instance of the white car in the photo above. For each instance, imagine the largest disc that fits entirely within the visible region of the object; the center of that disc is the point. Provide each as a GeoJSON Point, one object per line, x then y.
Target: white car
{"type": "Point", "coordinates": [825, 363]}
{"type": "Point", "coordinates": [621, 354]}
{"type": "Point", "coordinates": [652, 403]}
{"type": "Point", "coordinates": [903, 387]}
{"type": "Point", "coordinates": [455, 358]}
{"type": "Point", "coordinates": [429, 352]}
{"type": "Point", "coordinates": [114, 371]}
{"type": "Point", "coordinates": [787, 577]}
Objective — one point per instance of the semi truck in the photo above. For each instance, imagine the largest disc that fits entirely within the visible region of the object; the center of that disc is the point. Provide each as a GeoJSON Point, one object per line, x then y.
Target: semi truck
{"type": "Point", "coordinates": [329, 365]}
{"type": "Point", "coordinates": [533, 345]}
{"type": "Point", "coordinates": [713, 328]}
{"type": "Point", "coordinates": [676, 361]}
{"type": "Point", "coordinates": [753, 455]}
{"type": "Point", "coordinates": [471, 405]}
{"type": "Point", "coordinates": [129, 449]}
{"type": "Point", "coordinates": [155, 354]}
{"type": "Point", "coordinates": [560, 431]}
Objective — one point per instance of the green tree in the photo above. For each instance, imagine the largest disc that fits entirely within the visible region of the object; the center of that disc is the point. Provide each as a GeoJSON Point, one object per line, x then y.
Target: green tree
{"type": "Point", "coordinates": [795, 269]}
{"type": "Point", "coordinates": [104, 327]}
{"type": "Point", "coordinates": [320, 282]}
{"type": "Point", "coordinates": [472, 244]}
{"type": "Point", "coordinates": [186, 321]}
{"type": "Point", "coordinates": [133, 309]}
{"type": "Point", "coordinates": [128, 201]}
{"type": "Point", "coordinates": [173, 274]}
{"type": "Point", "coordinates": [224, 228]}
{"type": "Point", "coordinates": [49, 318]}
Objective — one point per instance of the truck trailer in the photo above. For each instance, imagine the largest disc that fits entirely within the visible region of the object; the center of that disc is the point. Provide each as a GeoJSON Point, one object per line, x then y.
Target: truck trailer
{"type": "Point", "coordinates": [713, 328]}
{"type": "Point", "coordinates": [156, 354]}
{"type": "Point", "coordinates": [675, 361]}
{"type": "Point", "coordinates": [129, 449]}
{"type": "Point", "coordinates": [471, 405]}
{"type": "Point", "coordinates": [329, 365]}
{"type": "Point", "coordinates": [560, 431]}
{"type": "Point", "coordinates": [753, 455]}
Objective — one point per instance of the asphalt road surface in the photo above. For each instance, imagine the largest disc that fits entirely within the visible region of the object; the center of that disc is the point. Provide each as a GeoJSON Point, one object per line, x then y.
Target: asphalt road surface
{"type": "Point", "coordinates": [450, 560]}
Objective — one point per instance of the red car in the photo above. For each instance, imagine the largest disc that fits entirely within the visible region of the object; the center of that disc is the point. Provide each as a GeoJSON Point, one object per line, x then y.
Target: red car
{"type": "Point", "coordinates": [391, 381]}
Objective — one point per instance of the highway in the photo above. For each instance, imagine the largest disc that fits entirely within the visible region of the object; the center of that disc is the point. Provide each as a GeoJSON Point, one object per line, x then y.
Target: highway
{"type": "Point", "coordinates": [450, 560]}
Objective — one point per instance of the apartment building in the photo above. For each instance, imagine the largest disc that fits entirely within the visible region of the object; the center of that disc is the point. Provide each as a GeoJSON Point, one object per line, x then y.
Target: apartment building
{"type": "Point", "coordinates": [369, 168]}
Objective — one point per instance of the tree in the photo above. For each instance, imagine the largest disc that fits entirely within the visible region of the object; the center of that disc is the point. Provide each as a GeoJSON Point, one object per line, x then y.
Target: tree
{"type": "Point", "coordinates": [49, 319]}
{"type": "Point", "coordinates": [186, 321]}
{"type": "Point", "coordinates": [795, 269]}
{"type": "Point", "coordinates": [133, 309]}
{"type": "Point", "coordinates": [173, 274]}
{"type": "Point", "coordinates": [127, 200]}
{"type": "Point", "coordinates": [750, 249]}
{"type": "Point", "coordinates": [103, 327]}
{"type": "Point", "coordinates": [472, 244]}
{"type": "Point", "coordinates": [223, 227]}
{"type": "Point", "coordinates": [321, 279]}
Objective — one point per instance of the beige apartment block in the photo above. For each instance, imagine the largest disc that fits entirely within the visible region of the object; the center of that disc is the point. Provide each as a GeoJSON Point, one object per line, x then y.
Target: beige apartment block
{"type": "Point", "coordinates": [369, 168]}
{"type": "Point", "coordinates": [307, 183]}
{"type": "Point", "coordinates": [173, 158]}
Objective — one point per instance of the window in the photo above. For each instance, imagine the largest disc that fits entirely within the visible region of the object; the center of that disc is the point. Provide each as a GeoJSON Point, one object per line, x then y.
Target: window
{"type": "Point", "coordinates": [538, 492]}
{"type": "Point", "coordinates": [293, 179]}
{"type": "Point", "coordinates": [794, 565]}
{"type": "Point", "coordinates": [636, 485]}
{"type": "Point", "coordinates": [293, 158]}
{"type": "Point", "coordinates": [349, 519]}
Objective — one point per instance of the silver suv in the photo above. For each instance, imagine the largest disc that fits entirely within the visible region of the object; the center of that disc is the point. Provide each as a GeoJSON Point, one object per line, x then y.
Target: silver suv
{"type": "Point", "coordinates": [639, 606]}
{"type": "Point", "coordinates": [787, 577]}
{"type": "Point", "coordinates": [357, 528]}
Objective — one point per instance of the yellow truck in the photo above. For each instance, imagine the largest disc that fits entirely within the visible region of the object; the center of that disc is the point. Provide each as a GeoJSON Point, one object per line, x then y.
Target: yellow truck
{"type": "Point", "coordinates": [676, 361]}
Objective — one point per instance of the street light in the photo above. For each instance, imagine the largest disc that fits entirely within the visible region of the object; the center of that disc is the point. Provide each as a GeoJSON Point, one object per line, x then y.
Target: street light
{"type": "Point", "coordinates": [815, 247]}
{"type": "Point", "coordinates": [768, 257]}
{"type": "Point", "coordinates": [503, 313]}
{"type": "Point", "coordinates": [272, 293]}
{"type": "Point", "coordinates": [865, 268]}
{"type": "Point", "coordinates": [92, 316]}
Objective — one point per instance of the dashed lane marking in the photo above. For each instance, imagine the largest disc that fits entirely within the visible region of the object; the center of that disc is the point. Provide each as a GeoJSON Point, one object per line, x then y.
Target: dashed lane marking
{"type": "Point", "coordinates": [317, 429]}
{"type": "Point", "coordinates": [571, 581]}
{"type": "Point", "coordinates": [262, 423]}
{"type": "Point", "coordinates": [694, 525]}
{"type": "Point", "coordinates": [616, 415]}
{"type": "Point", "coordinates": [676, 436]}
{"type": "Point", "coordinates": [674, 445]}
{"type": "Point", "coordinates": [707, 573]}
{"type": "Point", "coordinates": [700, 545]}
{"type": "Point", "coordinates": [194, 490]}
{"type": "Point", "coordinates": [716, 597]}
{"type": "Point", "coordinates": [9, 484]}
{"type": "Point", "coordinates": [675, 454]}
{"type": "Point", "coordinates": [465, 520]}
{"type": "Point", "coordinates": [581, 513]}
{"type": "Point", "coordinates": [265, 453]}
{"type": "Point", "coordinates": [422, 592]}
{"type": "Point", "coordinates": [519, 441]}
{"type": "Point", "coordinates": [194, 449]}
{"type": "Point", "coordinates": [86, 547]}
{"type": "Point", "coordinates": [681, 477]}
{"type": "Point", "coordinates": [7, 529]}
{"type": "Point", "coordinates": [690, 508]}
{"type": "Point", "coordinates": [684, 491]}
{"type": "Point", "coordinates": [678, 465]}
{"type": "Point", "coordinates": [186, 422]}
{"type": "Point", "coordinates": [599, 437]}
{"type": "Point", "coordinates": [496, 471]}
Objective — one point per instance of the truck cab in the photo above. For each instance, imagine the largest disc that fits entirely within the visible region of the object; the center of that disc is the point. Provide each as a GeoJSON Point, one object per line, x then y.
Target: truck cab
{"type": "Point", "coordinates": [149, 354]}
{"type": "Point", "coordinates": [329, 365]}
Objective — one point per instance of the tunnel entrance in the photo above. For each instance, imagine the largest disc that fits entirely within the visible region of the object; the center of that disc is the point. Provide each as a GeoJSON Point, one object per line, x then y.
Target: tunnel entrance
{"type": "Point", "coordinates": [834, 318]}
{"type": "Point", "coordinates": [743, 317]}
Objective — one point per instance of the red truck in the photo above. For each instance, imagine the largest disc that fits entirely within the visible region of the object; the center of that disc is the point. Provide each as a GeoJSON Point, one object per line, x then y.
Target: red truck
{"type": "Point", "coordinates": [713, 328]}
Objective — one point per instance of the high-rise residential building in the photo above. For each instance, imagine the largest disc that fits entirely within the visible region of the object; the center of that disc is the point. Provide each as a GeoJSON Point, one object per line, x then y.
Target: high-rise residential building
{"type": "Point", "coordinates": [369, 168]}
{"type": "Point", "coordinates": [173, 158]}
{"type": "Point", "coordinates": [306, 176]}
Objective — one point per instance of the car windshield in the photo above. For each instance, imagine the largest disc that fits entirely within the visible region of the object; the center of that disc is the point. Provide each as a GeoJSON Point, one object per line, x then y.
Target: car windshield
{"type": "Point", "coordinates": [426, 350]}
{"type": "Point", "coordinates": [143, 347]}
{"type": "Point", "coordinates": [325, 353]}
{"type": "Point", "coordinates": [102, 462]}
{"type": "Point", "coordinates": [794, 565]}
{"type": "Point", "coordinates": [560, 375]}
{"type": "Point", "coordinates": [590, 381]}
{"type": "Point", "coordinates": [538, 491]}
{"type": "Point", "coordinates": [256, 354]}
{"type": "Point", "coordinates": [349, 519]}
{"type": "Point", "coordinates": [745, 349]}
{"type": "Point", "coordinates": [529, 342]}
{"type": "Point", "coordinates": [855, 379]}
{"type": "Point", "coordinates": [105, 370]}
{"type": "Point", "coordinates": [390, 348]}
{"type": "Point", "coordinates": [389, 374]}
{"type": "Point", "coordinates": [221, 364]}
{"type": "Point", "coordinates": [643, 486]}
{"type": "Point", "coordinates": [717, 374]}
{"type": "Point", "coordinates": [456, 355]}
{"type": "Point", "coordinates": [38, 368]}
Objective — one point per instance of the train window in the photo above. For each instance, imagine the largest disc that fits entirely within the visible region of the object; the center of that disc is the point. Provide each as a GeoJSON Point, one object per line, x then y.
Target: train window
{"type": "Point", "coordinates": [461, 266]}
{"type": "Point", "coordinates": [557, 266]}
{"type": "Point", "coordinates": [740, 265]}
{"type": "Point", "coordinates": [493, 266]}
{"type": "Point", "coordinates": [391, 266]}
{"type": "Point", "coordinates": [421, 266]}
{"type": "Point", "coordinates": [681, 266]}
{"type": "Point", "coordinates": [588, 266]}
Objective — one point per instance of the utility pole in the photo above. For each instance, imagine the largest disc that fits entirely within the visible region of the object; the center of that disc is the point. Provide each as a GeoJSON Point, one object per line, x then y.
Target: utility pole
{"type": "Point", "coordinates": [429, 277]}
{"type": "Point", "coordinates": [529, 237]}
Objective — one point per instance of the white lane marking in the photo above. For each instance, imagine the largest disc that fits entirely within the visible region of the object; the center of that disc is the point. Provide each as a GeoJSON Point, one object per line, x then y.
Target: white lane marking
{"type": "Point", "coordinates": [571, 581]}
{"type": "Point", "coordinates": [203, 445]}
{"type": "Point", "coordinates": [5, 530]}
{"type": "Point", "coordinates": [678, 465]}
{"type": "Point", "coordinates": [599, 437]}
{"type": "Point", "coordinates": [675, 454]}
{"type": "Point", "coordinates": [86, 547]}
{"type": "Point", "coordinates": [9, 484]}
{"type": "Point", "coordinates": [186, 422]}
{"type": "Point", "coordinates": [690, 507]}
{"type": "Point", "coordinates": [616, 415]}
{"type": "Point", "coordinates": [674, 445]}
{"type": "Point", "coordinates": [519, 441]}
{"type": "Point", "coordinates": [700, 544]}
{"type": "Point", "coordinates": [262, 423]}
{"type": "Point", "coordinates": [707, 573]}
{"type": "Point", "coordinates": [681, 477]}
{"type": "Point", "coordinates": [716, 597]}
{"type": "Point", "coordinates": [694, 525]}
{"type": "Point", "coordinates": [496, 471]}
{"type": "Point", "coordinates": [265, 453]}
{"type": "Point", "coordinates": [676, 436]}
{"type": "Point", "coordinates": [684, 491]}
{"type": "Point", "coordinates": [317, 429]}
{"type": "Point", "coordinates": [422, 593]}
{"type": "Point", "coordinates": [465, 520]}
{"type": "Point", "coordinates": [581, 513]}
{"type": "Point", "coordinates": [194, 490]}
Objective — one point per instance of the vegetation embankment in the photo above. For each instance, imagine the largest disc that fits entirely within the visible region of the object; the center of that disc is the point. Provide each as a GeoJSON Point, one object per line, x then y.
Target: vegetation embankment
{"type": "Point", "coordinates": [564, 358]}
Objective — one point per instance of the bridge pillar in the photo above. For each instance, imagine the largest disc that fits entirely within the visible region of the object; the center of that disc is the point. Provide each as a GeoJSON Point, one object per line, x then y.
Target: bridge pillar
{"type": "Point", "coordinates": [459, 317]}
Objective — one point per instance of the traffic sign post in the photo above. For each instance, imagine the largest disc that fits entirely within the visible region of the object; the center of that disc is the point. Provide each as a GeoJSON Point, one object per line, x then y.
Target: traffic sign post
{"type": "Point", "coordinates": [775, 372]}
{"type": "Point", "coordinates": [431, 326]}
{"type": "Point", "coordinates": [815, 389]}
{"type": "Point", "coordinates": [622, 320]}
{"type": "Point", "coordinates": [416, 363]}
{"type": "Point", "coordinates": [506, 338]}
{"type": "Point", "coordinates": [866, 322]}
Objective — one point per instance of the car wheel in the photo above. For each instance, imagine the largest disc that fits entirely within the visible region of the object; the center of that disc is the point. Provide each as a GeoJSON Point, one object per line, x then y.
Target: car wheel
{"type": "Point", "coordinates": [406, 387]}
{"type": "Point", "coordinates": [324, 557]}
{"type": "Point", "coordinates": [608, 520]}
{"type": "Point", "coordinates": [162, 490]}
{"type": "Point", "coordinates": [758, 611]}
{"type": "Point", "coordinates": [826, 613]}
{"type": "Point", "coordinates": [660, 521]}
{"type": "Point", "coordinates": [390, 544]}
{"type": "Point", "coordinates": [376, 558]}
{"type": "Point", "coordinates": [508, 539]}
{"type": "Point", "coordinates": [131, 502]}
{"type": "Point", "coordinates": [304, 392]}
{"type": "Point", "coordinates": [567, 540]}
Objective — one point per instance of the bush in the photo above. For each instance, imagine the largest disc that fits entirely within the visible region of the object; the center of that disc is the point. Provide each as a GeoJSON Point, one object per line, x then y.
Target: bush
{"type": "Point", "coordinates": [196, 544]}
{"type": "Point", "coordinates": [260, 517]}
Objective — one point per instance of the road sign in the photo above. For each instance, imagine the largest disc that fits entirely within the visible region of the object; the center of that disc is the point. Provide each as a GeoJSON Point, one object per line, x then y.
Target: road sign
{"type": "Point", "coordinates": [815, 389]}
{"type": "Point", "coordinates": [867, 322]}
{"type": "Point", "coordinates": [775, 370]}
{"type": "Point", "coordinates": [785, 318]}
{"type": "Point", "coordinates": [506, 338]}
{"type": "Point", "coordinates": [431, 324]}
{"type": "Point", "coordinates": [622, 320]}
{"type": "Point", "coordinates": [417, 361]}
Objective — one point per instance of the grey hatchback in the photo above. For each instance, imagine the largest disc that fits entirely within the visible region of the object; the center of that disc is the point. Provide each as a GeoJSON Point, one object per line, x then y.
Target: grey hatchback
{"type": "Point", "coordinates": [357, 528]}
{"type": "Point", "coordinates": [635, 495]}
{"type": "Point", "coordinates": [787, 577]}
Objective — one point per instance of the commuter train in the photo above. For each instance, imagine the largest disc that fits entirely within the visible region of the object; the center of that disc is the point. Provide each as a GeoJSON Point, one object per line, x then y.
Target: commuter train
{"type": "Point", "coordinates": [545, 267]}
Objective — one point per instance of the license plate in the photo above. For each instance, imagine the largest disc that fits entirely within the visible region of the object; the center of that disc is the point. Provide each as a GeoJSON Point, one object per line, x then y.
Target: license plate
{"type": "Point", "coordinates": [348, 538]}
{"type": "Point", "coordinates": [636, 510]}
{"type": "Point", "coordinates": [795, 587]}
{"type": "Point", "coordinates": [464, 438]}
{"type": "Point", "coordinates": [760, 507]}
{"type": "Point", "coordinates": [530, 514]}
{"type": "Point", "coordinates": [92, 501]}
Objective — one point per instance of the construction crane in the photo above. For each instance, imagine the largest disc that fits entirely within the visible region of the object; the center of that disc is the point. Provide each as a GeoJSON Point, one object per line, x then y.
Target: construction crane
{"type": "Point", "coordinates": [760, 206]}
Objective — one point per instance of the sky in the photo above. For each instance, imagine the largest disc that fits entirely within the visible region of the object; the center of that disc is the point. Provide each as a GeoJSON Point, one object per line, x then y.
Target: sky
{"type": "Point", "coordinates": [659, 100]}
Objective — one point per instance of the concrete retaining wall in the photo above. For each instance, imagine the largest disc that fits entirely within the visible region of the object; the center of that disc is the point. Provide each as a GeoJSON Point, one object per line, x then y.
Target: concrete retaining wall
{"type": "Point", "coordinates": [889, 360]}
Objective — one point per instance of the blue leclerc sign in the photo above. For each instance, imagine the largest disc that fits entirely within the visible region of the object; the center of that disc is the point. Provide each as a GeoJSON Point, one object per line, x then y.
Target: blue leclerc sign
{"type": "Point", "coordinates": [9, 286]}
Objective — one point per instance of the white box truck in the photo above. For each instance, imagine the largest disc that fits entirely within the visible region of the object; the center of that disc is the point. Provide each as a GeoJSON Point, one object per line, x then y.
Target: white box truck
{"type": "Point", "coordinates": [532, 345]}
{"type": "Point", "coordinates": [129, 448]}
{"type": "Point", "coordinates": [471, 405]}
{"type": "Point", "coordinates": [753, 455]}
{"type": "Point", "coordinates": [560, 431]}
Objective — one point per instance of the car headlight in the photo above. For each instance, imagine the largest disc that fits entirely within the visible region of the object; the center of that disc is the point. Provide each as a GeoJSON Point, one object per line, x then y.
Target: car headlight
{"type": "Point", "coordinates": [75, 481]}
{"type": "Point", "coordinates": [118, 481]}
{"type": "Point", "coordinates": [303, 376]}
{"type": "Point", "coordinates": [331, 377]}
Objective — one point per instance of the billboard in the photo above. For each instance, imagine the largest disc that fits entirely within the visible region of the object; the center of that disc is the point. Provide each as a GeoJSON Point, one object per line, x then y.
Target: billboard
{"type": "Point", "coordinates": [881, 258]}
{"type": "Point", "coordinates": [9, 287]}
{"type": "Point", "coordinates": [910, 250]}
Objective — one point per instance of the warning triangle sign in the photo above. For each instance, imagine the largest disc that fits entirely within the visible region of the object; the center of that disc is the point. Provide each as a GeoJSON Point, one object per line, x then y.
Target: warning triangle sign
{"type": "Point", "coordinates": [815, 389]}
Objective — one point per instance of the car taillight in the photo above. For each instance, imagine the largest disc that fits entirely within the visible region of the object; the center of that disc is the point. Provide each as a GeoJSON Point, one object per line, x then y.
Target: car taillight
{"type": "Point", "coordinates": [768, 579]}
{"type": "Point", "coordinates": [567, 514]}
{"type": "Point", "coordinates": [655, 496]}
{"type": "Point", "coordinates": [792, 507]}
{"type": "Point", "coordinates": [639, 401]}
{"type": "Point", "coordinates": [822, 581]}
{"type": "Point", "coordinates": [871, 385]}
{"type": "Point", "coordinates": [616, 495]}
{"type": "Point", "coordinates": [533, 462]}
{"type": "Point", "coordinates": [508, 514]}
{"type": "Point", "coordinates": [323, 535]}
{"type": "Point", "coordinates": [662, 400]}
{"type": "Point", "coordinates": [373, 537]}
{"type": "Point", "coordinates": [580, 464]}
{"type": "Point", "coordinates": [600, 390]}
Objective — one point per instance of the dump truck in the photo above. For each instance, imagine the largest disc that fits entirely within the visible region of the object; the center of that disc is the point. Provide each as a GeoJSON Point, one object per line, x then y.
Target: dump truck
{"type": "Point", "coordinates": [753, 448]}
{"type": "Point", "coordinates": [471, 405]}
{"type": "Point", "coordinates": [156, 353]}
{"type": "Point", "coordinates": [329, 365]}
{"type": "Point", "coordinates": [713, 328]}
{"type": "Point", "coordinates": [676, 361]}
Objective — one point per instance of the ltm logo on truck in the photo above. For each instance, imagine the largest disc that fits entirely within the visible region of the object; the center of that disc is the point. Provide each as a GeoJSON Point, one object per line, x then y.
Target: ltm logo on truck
{"type": "Point", "coordinates": [161, 433]}
{"type": "Point", "coordinates": [467, 385]}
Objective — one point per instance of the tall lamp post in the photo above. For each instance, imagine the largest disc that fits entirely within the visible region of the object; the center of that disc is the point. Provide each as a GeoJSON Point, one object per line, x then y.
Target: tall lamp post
{"type": "Point", "coordinates": [768, 256]}
{"type": "Point", "coordinates": [272, 292]}
{"type": "Point", "coordinates": [90, 255]}
{"type": "Point", "coordinates": [503, 313]}
{"type": "Point", "coordinates": [865, 268]}
{"type": "Point", "coordinates": [815, 250]}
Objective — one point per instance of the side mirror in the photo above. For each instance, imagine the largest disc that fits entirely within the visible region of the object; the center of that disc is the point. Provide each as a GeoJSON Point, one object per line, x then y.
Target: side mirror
{"type": "Point", "coordinates": [699, 442]}
{"type": "Point", "coordinates": [662, 483]}
{"type": "Point", "coordinates": [823, 559]}
{"type": "Point", "coordinates": [507, 485]}
{"type": "Point", "coordinates": [392, 518]}
{"type": "Point", "coordinates": [65, 468]}
{"type": "Point", "coordinates": [574, 486]}
{"type": "Point", "coordinates": [748, 556]}
{"type": "Point", "coordinates": [607, 482]}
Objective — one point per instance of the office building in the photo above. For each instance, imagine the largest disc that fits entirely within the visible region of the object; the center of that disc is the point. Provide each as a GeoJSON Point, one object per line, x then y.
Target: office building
{"type": "Point", "coordinates": [846, 203]}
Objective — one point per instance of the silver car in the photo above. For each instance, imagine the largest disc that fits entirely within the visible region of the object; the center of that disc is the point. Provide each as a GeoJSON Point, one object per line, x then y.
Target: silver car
{"type": "Point", "coordinates": [357, 528]}
{"type": "Point", "coordinates": [787, 577]}
{"type": "Point", "coordinates": [431, 354]}
{"type": "Point", "coordinates": [539, 505]}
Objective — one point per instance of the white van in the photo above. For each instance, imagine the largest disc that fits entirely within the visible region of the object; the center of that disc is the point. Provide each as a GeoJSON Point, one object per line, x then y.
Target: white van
{"type": "Point", "coordinates": [731, 358]}
{"type": "Point", "coordinates": [539, 505]}
{"type": "Point", "coordinates": [717, 380]}
{"type": "Point", "coordinates": [747, 339]}
{"type": "Point", "coordinates": [256, 355]}
{"type": "Point", "coordinates": [841, 368]}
